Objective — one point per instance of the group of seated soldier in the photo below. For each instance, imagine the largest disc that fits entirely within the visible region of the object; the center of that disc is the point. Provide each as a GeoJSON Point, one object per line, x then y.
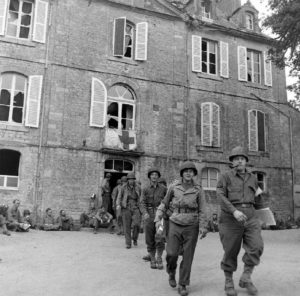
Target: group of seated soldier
{"type": "Point", "coordinates": [62, 222]}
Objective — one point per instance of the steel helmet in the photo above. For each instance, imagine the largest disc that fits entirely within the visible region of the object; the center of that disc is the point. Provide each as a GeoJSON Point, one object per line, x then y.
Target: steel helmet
{"type": "Point", "coordinates": [152, 170]}
{"type": "Point", "coordinates": [123, 179]}
{"type": "Point", "coordinates": [130, 176]}
{"type": "Point", "coordinates": [188, 165]}
{"type": "Point", "coordinates": [238, 151]}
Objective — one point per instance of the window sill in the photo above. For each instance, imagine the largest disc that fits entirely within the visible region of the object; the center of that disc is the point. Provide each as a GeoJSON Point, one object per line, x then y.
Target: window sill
{"type": "Point", "coordinates": [16, 128]}
{"type": "Point", "coordinates": [256, 85]}
{"type": "Point", "coordinates": [123, 61]}
{"type": "Point", "coordinates": [209, 149]}
{"type": "Point", "coordinates": [18, 41]}
{"type": "Point", "coordinates": [9, 188]}
{"type": "Point", "coordinates": [205, 19]}
{"type": "Point", "coordinates": [209, 76]}
{"type": "Point", "coordinates": [259, 153]}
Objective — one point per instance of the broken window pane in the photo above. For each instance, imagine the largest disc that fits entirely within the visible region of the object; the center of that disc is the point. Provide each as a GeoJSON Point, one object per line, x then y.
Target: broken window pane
{"type": "Point", "coordinates": [112, 123]}
{"type": "Point", "coordinates": [19, 99]}
{"type": "Point", "coordinates": [112, 109]}
{"type": "Point", "coordinates": [9, 162]}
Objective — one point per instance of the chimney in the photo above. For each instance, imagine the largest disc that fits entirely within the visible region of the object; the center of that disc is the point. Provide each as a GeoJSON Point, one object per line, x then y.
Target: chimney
{"type": "Point", "coordinates": [228, 6]}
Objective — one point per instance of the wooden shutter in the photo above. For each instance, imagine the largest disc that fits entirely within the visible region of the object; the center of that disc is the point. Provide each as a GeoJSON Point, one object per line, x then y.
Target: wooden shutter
{"type": "Point", "coordinates": [242, 63]}
{"type": "Point", "coordinates": [252, 130]}
{"type": "Point", "coordinates": [215, 123]}
{"type": "Point", "coordinates": [40, 21]}
{"type": "Point", "coordinates": [141, 41]}
{"type": "Point", "coordinates": [224, 58]}
{"type": "Point", "coordinates": [98, 103]}
{"type": "Point", "coordinates": [206, 124]}
{"type": "Point", "coordinates": [268, 70]}
{"type": "Point", "coordinates": [34, 100]}
{"type": "Point", "coordinates": [3, 12]}
{"type": "Point", "coordinates": [196, 53]}
{"type": "Point", "coordinates": [119, 37]}
{"type": "Point", "coordinates": [261, 131]}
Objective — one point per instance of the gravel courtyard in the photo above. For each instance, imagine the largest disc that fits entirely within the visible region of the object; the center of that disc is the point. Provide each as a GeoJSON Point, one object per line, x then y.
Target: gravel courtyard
{"type": "Point", "coordinates": [80, 263]}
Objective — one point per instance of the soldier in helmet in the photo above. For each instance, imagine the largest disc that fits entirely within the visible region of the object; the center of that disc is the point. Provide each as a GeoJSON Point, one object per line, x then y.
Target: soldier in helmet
{"type": "Point", "coordinates": [188, 219]}
{"type": "Point", "coordinates": [237, 190]}
{"type": "Point", "coordinates": [128, 202]}
{"type": "Point", "coordinates": [151, 198]}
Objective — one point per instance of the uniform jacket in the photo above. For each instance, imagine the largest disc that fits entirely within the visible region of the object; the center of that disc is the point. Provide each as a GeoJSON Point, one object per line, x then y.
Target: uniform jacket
{"type": "Point", "coordinates": [233, 189]}
{"type": "Point", "coordinates": [48, 220]}
{"type": "Point", "coordinates": [114, 194]}
{"type": "Point", "coordinates": [191, 200]}
{"type": "Point", "coordinates": [14, 215]}
{"type": "Point", "coordinates": [151, 197]}
{"type": "Point", "coordinates": [124, 195]}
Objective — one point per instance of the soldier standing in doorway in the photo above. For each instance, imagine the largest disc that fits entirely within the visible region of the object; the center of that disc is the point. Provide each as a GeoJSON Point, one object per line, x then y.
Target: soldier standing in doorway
{"type": "Point", "coordinates": [151, 198]}
{"type": "Point", "coordinates": [106, 193]}
{"type": "Point", "coordinates": [128, 201]}
{"type": "Point", "coordinates": [238, 225]}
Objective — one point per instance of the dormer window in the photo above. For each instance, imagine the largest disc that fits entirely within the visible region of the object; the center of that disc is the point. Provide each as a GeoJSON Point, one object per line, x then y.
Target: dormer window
{"type": "Point", "coordinates": [206, 9]}
{"type": "Point", "coordinates": [249, 21]}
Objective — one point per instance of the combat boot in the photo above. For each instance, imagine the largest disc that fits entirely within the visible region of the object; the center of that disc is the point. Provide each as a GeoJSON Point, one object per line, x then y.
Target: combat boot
{"type": "Point", "coordinates": [159, 260]}
{"type": "Point", "coordinates": [152, 260]}
{"type": "Point", "coordinates": [229, 285]}
{"type": "Point", "coordinates": [172, 280]}
{"type": "Point", "coordinates": [246, 282]}
{"type": "Point", "coordinates": [182, 290]}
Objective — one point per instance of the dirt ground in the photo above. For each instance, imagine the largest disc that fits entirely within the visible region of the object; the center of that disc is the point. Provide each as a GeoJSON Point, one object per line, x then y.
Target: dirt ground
{"type": "Point", "coordinates": [80, 263]}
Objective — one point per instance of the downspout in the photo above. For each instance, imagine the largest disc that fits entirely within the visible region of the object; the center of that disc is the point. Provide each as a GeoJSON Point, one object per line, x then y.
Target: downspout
{"type": "Point", "coordinates": [37, 175]}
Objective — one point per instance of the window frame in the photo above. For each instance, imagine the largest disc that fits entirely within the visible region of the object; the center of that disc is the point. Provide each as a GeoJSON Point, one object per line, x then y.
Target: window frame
{"type": "Point", "coordinates": [249, 21]}
{"type": "Point", "coordinates": [208, 171]}
{"type": "Point", "coordinates": [253, 63]}
{"type": "Point", "coordinates": [19, 25]}
{"type": "Point", "coordinates": [257, 131]}
{"type": "Point", "coordinates": [217, 54]}
{"type": "Point", "coordinates": [12, 91]}
{"type": "Point", "coordinates": [120, 102]}
{"type": "Point", "coordinates": [6, 177]}
{"type": "Point", "coordinates": [113, 170]}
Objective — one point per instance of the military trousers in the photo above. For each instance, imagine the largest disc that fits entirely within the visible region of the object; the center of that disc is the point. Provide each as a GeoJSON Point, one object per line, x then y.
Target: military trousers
{"type": "Point", "coordinates": [154, 242]}
{"type": "Point", "coordinates": [131, 224]}
{"type": "Point", "coordinates": [234, 234]}
{"type": "Point", "coordinates": [181, 238]}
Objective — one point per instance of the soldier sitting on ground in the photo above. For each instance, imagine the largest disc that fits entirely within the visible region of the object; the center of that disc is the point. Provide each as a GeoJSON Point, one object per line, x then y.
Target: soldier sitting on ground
{"type": "Point", "coordinates": [64, 221]}
{"type": "Point", "coordinates": [14, 218]}
{"type": "Point", "coordinates": [49, 221]}
{"type": "Point", "coordinates": [3, 219]}
{"type": "Point", "coordinates": [87, 219]}
{"type": "Point", "coordinates": [28, 218]}
{"type": "Point", "coordinates": [103, 219]}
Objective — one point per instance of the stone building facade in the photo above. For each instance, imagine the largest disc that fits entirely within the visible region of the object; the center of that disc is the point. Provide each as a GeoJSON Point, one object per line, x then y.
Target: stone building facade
{"type": "Point", "coordinates": [91, 86]}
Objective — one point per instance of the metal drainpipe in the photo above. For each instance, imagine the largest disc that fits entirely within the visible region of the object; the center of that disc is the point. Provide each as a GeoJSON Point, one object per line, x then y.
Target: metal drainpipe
{"type": "Point", "coordinates": [37, 175]}
{"type": "Point", "coordinates": [187, 93]}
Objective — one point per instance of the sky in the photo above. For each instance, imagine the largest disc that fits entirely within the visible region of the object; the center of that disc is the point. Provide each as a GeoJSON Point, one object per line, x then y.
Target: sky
{"type": "Point", "coordinates": [261, 6]}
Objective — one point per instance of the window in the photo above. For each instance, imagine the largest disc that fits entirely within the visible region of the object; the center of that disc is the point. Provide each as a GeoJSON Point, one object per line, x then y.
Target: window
{"type": "Point", "coordinates": [9, 169]}
{"type": "Point", "coordinates": [130, 40]}
{"type": "Point", "coordinates": [209, 57]}
{"type": "Point", "coordinates": [206, 9]}
{"type": "Point", "coordinates": [121, 108]}
{"type": "Point", "coordinates": [261, 180]}
{"type": "Point", "coordinates": [253, 66]}
{"type": "Point", "coordinates": [249, 21]}
{"type": "Point", "coordinates": [118, 165]}
{"type": "Point", "coordinates": [24, 19]}
{"type": "Point", "coordinates": [256, 130]}
{"type": "Point", "coordinates": [210, 124]}
{"type": "Point", "coordinates": [16, 92]}
{"type": "Point", "coordinates": [209, 178]}
{"type": "Point", "coordinates": [12, 98]}
{"type": "Point", "coordinates": [205, 56]}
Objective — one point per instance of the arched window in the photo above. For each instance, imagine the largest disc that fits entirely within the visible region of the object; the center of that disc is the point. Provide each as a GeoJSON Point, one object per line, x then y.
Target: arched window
{"type": "Point", "coordinates": [9, 169]}
{"type": "Point", "coordinates": [120, 108]}
{"type": "Point", "coordinates": [249, 21]}
{"type": "Point", "coordinates": [12, 97]}
{"type": "Point", "coordinates": [118, 165]}
{"type": "Point", "coordinates": [209, 178]}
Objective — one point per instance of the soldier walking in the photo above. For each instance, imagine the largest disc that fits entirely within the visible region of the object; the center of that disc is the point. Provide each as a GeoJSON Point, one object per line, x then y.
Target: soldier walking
{"type": "Point", "coordinates": [151, 198]}
{"type": "Point", "coordinates": [187, 220]}
{"type": "Point", "coordinates": [128, 201]}
{"type": "Point", "coordinates": [238, 225]}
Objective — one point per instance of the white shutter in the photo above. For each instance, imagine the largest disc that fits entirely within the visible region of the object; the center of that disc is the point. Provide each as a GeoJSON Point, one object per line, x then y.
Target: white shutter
{"type": "Point", "coordinates": [215, 122]}
{"type": "Point", "coordinates": [34, 100]}
{"type": "Point", "coordinates": [224, 68]}
{"type": "Point", "coordinates": [3, 12]}
{"type": "Point", "coordinates": [40, 21]}
{"type": "Point", "coordinates": [196, 53]}
{"type": "Point", "coordinates": [268, 70]}
{"type": "Point", "coordinates": [242, 63]}
{"type": "Point", "coordinates": [206, 124]}
{"type": "Point", "coordinates": [141, 41]}
{"type": "Point", "coordinates": [252, 130]}
{"type": "Point", "coordinates": [98, 103]}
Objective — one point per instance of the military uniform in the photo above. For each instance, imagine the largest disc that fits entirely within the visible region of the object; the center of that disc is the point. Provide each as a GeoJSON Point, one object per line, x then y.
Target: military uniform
{"type": "Point", "coordinates": [187, 219]}
{"type": "Point", "coordinates": [128, 200]}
